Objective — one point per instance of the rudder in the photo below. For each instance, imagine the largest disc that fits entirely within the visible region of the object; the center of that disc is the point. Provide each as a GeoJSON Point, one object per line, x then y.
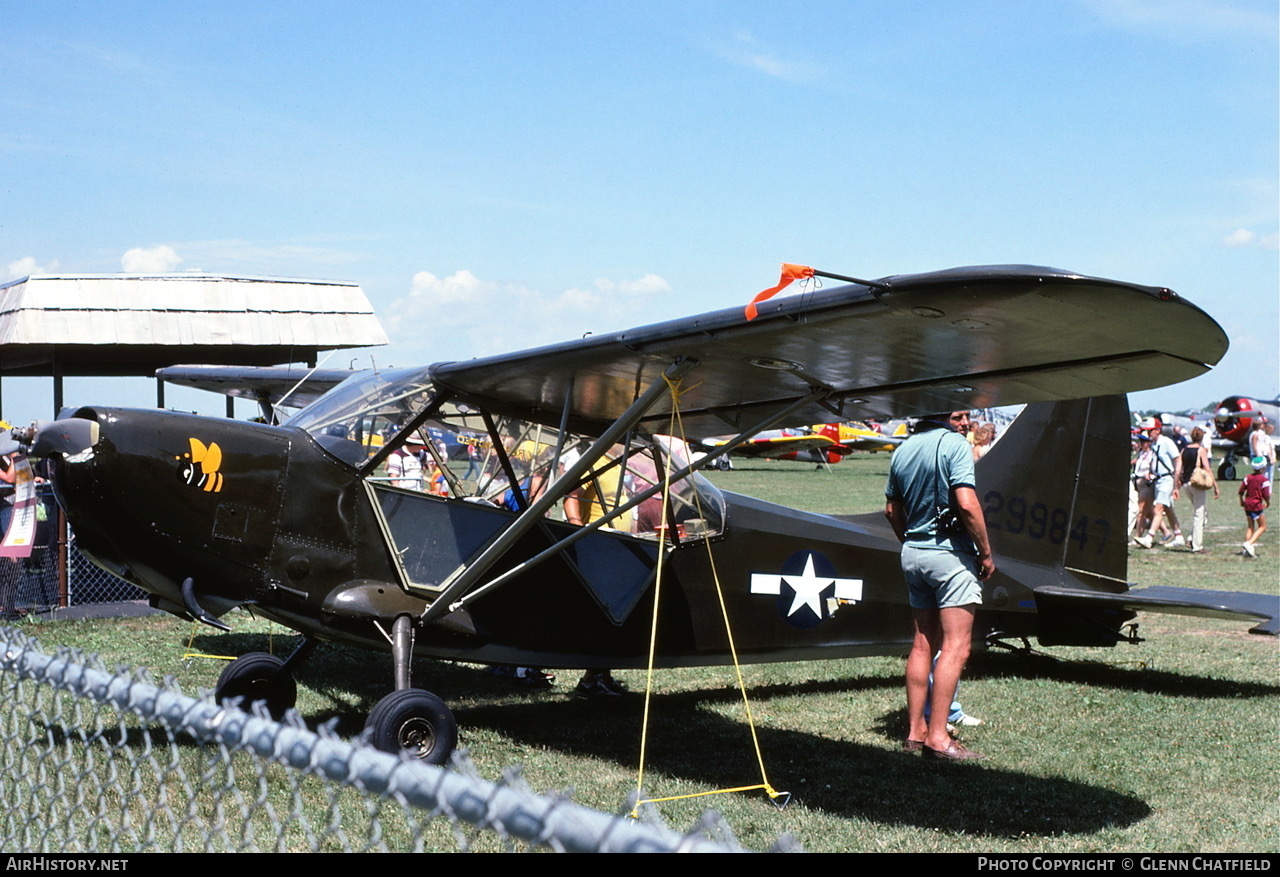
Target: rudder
{"type": "Point", "coordinates": [1054, 490]}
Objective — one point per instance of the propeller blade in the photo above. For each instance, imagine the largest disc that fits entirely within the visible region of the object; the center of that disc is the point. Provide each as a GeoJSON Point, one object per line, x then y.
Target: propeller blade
{"type": "Point", "coordinates": [68, 436]}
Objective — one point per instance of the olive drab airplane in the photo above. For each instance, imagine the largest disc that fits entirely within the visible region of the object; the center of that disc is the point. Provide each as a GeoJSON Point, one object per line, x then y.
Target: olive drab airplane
{"type": "Point", "coordinates": [304, 524]}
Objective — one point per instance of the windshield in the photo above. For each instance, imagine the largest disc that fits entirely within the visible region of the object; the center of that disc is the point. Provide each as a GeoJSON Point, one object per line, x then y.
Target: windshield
{"type": "Point", "coordinates": [353, 420]}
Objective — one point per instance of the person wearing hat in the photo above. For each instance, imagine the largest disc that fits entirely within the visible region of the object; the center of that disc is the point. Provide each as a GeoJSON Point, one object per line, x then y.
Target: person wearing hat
{"type": "Point", "coordinates": [1141, 491]}
{"type": "Point", "coordinates": [932, 504]}
{"type": "Point", "coordinates": [1165, 455]}
{"type": "Point", "coordinates": [1255, 496]}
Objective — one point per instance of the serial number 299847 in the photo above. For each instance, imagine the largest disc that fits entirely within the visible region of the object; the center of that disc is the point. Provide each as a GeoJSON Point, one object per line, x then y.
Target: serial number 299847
{"type": "Point", "coordinates": [1016, 516]}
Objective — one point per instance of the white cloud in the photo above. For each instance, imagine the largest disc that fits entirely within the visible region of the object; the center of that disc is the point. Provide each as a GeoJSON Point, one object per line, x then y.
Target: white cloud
{"type": "Point", "coordinates": [1188, 20]}
{"type": "Point", "coordinates": [616, 295]}
{"type": "Point", "coordinates": [461, 316]}
{"type": "Point", "coordinates": [746, 51]}
{"type": "Point", "coordinates": [157, 260]}
{"type": "Point", "coordinates": [1243, 237]}
{"type": "Point", "coordinates": [28, 265]}
{"type": "Point", "coordinates": [430, 291]}
{"type": "Point", "coordinates": [649, 284]}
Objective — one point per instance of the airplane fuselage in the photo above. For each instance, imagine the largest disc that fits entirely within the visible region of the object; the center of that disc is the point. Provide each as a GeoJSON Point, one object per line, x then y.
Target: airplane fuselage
{"type": "Point", "coordinates": [284, 526]}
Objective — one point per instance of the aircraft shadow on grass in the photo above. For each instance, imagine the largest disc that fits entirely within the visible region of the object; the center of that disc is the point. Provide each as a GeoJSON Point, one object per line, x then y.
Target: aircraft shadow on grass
{"type": "Point", "coordinates": [1102, 675]}
{"type": "Point", "coordinates": [983, 665]}
{"type": "Point", "coordinates": [845, 779]}
{"type": "Point", "coordinates": [695, 744]}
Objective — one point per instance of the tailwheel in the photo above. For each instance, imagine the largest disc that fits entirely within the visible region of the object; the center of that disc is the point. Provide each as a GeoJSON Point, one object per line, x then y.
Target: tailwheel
{"type": "Point", "coordinates": [415, 721]}
{"type": "Point", "coordinates": [256, 677]}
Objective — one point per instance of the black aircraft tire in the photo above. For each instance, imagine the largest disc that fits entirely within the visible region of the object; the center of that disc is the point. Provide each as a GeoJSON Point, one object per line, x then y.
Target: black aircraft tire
{"type": "Point", "coordinates": [415, 721]}
{"type": "Point", "coordinates": [258, 676]}
{"type": "Point", "coordinates": [1226, 472]}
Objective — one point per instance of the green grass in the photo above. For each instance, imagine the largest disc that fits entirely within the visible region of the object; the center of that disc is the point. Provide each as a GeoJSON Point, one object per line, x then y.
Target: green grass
{"type": "Point", "coordinates": [1164, 746]}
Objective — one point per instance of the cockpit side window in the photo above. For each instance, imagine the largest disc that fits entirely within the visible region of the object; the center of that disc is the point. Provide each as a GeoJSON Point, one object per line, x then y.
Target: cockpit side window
{"type": "Point", "coordinates": [509, 463]}
{"type": "Point", "coordinates": [398, 427]}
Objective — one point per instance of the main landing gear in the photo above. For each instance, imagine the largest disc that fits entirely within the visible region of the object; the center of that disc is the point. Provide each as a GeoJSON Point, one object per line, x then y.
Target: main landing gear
{"type": "Point", "coordinates": [408, 719]}
{"type": "Point", "coordinates": [415, 721]}
{"type": "Point", "coordinates": [411, 719]}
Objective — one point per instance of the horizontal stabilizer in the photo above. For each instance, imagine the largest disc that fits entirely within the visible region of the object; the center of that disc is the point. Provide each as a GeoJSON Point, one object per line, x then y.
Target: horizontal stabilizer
{"type": "Point", "coordinates": [1181, 601]}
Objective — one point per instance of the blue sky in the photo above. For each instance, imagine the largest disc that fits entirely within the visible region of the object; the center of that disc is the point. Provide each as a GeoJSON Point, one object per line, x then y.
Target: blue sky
{"type": "Point", "coordinates": [501, 175]}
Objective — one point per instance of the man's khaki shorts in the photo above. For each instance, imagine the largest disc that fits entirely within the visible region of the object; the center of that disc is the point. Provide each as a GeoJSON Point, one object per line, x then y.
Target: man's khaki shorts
{"type": "Point", "coordinates": [940, 579]}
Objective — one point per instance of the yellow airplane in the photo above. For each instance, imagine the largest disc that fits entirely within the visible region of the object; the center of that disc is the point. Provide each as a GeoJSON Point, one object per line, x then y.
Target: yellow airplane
{"type": "Point", "coordinates": [820, 443]}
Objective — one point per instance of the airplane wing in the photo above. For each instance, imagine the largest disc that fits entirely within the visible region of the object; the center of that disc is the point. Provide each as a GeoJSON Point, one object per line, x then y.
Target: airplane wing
{"type": "Point", "coordinates": [867, 443]}
{"type": "Point", "coordinates": [1265, 608]}
{"type": "Point", "coordinates": [872, 442]}
{"type": "Point", "coordinates": [301, 386]}
{"type": "Point", "coordinates": [773, 447]}
{"type": "Point", "coordinates": [910, 344]}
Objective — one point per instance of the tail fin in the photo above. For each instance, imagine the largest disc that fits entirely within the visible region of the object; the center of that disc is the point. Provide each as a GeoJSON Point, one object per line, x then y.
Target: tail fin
{"type": "Point", "coordinates": [1054, 490]}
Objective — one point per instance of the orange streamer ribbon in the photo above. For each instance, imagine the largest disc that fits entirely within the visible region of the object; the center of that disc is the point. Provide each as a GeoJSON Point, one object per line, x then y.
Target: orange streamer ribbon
{"type": "Point", "coordinates": [789, 273]}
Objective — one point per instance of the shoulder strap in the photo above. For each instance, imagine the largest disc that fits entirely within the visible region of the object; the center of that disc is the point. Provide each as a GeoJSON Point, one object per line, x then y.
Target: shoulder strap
{"type": "Point", "coordinates": [943, 502]}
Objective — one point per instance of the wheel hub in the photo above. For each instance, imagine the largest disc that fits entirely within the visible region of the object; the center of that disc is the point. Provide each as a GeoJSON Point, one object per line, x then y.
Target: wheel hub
{"type": "Point", "coordinates": [418, 737]}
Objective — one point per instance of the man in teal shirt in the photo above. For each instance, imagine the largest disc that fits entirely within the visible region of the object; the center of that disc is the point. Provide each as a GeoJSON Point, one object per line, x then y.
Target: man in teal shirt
{"type": "Point", "coordinates": [933, 507]}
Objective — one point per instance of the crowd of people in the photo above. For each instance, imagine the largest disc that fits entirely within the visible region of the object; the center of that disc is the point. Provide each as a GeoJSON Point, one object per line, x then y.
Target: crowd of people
{"type": "Point", "coordinates": [1169, 463]}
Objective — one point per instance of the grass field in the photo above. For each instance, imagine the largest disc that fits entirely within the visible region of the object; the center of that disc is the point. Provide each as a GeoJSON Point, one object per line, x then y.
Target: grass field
{"type": "Point", "coordinates": [1165, 746]}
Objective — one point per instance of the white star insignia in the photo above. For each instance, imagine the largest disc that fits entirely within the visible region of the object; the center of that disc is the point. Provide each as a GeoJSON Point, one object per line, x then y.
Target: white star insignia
{"type": "Point", "coordinates": [807, 587]}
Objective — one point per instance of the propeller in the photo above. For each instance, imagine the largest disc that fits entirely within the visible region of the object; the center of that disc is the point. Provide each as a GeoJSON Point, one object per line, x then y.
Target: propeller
{"type": "Point", "coordinates": [70, 435]}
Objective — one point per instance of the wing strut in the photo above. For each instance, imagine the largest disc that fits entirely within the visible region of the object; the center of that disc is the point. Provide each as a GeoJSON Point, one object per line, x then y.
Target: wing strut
{"type": "Point", "coordinates": [466, 575]}
{"type": "Point", "coordinates": [439, 605]}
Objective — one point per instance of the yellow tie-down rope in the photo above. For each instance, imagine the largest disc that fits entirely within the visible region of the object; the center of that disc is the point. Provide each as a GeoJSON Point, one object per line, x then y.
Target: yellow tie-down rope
{"type": "Point", "coordinates": [779, 799]}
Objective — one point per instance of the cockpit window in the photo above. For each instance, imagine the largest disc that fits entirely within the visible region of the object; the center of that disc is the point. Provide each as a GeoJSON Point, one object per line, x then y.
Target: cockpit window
{"type": "Point", "coordinates": [503, 461]}
{"type": "Point", "coordinates": [455, 454]}
{"type": "Point", "coordinates": [354, 420]}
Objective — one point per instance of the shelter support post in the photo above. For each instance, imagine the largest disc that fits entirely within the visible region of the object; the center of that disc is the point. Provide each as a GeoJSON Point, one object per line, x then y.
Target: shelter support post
{"type": "Point", "coordinates": [57, 386]}
{"type": "Point", "coordinates": [64, 561]}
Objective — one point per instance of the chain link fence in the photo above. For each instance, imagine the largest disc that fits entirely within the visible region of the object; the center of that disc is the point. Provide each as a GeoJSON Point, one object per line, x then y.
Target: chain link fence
{"type": "Point", "coordinates": [98, 761]}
